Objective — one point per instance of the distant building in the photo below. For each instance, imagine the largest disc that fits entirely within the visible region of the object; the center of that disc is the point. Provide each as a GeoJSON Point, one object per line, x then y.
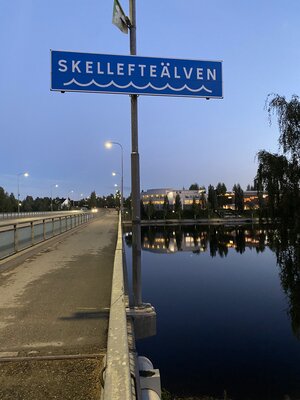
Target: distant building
{"type": "Point", "coordinates": [157, 197]}
{"type": "Point", "coordinates": [251, 200]}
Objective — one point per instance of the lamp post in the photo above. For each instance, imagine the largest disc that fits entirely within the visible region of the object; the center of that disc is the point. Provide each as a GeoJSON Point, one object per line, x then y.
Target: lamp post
{"type": "Point", "coordinates": [109, 144]}
{"type": "Point", "coordinates": [25, 174]}
{"type": "Point", "coordinates": [52, 186]}
{"type": "Point", "coordinates": [71, 191]}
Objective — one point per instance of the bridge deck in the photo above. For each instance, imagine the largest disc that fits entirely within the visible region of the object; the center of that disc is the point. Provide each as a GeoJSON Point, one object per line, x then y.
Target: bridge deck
{"type": "Point", "coordinates": [53, 307]}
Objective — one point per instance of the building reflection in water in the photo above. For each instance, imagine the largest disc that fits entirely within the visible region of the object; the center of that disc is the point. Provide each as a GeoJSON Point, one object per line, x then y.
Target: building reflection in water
{"type": "Point", "coordinates": [284, 242]}
{"type": "Point", "coordinates": [198, 239]}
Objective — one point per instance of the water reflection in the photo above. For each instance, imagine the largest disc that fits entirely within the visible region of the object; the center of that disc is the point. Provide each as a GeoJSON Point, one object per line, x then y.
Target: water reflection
{"type": "Point", "coordinates": [245, 298]}
{"type": "Point", "coordinates": [199, 238]}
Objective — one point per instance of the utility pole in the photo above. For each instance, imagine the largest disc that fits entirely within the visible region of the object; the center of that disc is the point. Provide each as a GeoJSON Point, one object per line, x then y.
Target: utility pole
{"type": "Point", "coordinates": [135, 175]}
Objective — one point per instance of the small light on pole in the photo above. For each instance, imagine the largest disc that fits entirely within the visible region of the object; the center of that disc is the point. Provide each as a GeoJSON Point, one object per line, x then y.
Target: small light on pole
{"type": "Point", "coordinates": [52, 186]}
{"type": "Point", "coordinates": [25, 174]}
{"type": "Point", "coordinates": [109, 144]}
{"type": "Point", "coordinates": [71, 191]}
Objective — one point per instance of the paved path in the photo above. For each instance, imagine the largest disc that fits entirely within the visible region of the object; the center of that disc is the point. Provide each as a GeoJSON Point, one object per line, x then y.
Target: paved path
{"type": "Point", "coordinates": [56, 303]}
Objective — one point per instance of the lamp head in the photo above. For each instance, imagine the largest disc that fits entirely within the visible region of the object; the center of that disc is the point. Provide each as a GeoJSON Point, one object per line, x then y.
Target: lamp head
{"type": "Point", "coordinates": [108, 145]}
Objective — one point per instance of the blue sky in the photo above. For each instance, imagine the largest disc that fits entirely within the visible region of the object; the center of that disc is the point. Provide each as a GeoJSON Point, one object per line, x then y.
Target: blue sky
{"type": "Point", "coordinates": [59, 138]}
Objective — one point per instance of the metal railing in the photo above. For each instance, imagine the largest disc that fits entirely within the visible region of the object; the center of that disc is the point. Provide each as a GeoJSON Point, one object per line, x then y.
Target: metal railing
{"type": "Point", "coordinates": [13, 215]}
{"type": "Point", "coordinates": [17, 236]}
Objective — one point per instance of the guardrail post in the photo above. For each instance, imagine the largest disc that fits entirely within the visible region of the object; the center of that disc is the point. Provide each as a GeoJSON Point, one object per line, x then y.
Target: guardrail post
{"type": "Point", "coordinates": [32, 233]}
{"type": "Point", "coordinates": [52, 226]}
{"type": "Point", "coordinates": [66, 220]}
{"type": "Point", "coordinates": [60, 225]}
{"type": "Point", "coordinates": [16, 238]}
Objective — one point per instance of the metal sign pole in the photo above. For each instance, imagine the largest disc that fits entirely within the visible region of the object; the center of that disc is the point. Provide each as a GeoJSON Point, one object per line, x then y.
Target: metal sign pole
{"type": "Point", "coordinates": [135, 176]}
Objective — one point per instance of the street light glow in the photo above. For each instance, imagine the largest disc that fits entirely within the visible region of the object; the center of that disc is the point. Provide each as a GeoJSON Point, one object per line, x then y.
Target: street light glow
{"type": "Point", "coordinates": [25, 174]}
{"type": "Point", "coordinates": [108, 145]}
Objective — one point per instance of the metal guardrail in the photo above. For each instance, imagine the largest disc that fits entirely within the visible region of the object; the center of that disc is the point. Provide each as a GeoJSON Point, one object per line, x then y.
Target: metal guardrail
{"type": "Point", "coordinates": [17, 236]}
{"type": "Point", "coordinates": [10, 215]}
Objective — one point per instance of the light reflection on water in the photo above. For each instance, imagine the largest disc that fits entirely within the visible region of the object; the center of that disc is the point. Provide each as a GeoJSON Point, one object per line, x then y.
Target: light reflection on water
{"type": "Point", "coordinates": [228, 310]}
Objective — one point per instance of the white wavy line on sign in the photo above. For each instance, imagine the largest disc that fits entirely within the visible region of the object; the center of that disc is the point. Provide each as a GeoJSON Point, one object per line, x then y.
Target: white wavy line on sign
{"type": "Point", "coordinates": [112, 83]}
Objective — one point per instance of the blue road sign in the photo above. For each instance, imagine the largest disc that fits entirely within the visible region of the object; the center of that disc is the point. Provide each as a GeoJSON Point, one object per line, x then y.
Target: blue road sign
{"type": "Point", "coordinates": [104, 73]}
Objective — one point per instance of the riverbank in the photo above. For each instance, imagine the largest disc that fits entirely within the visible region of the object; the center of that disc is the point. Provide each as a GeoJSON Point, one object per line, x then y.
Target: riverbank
{"type": "Point", "coordinates": [168, 396]}
{"type": "Point", "coordinates": [202, 221]}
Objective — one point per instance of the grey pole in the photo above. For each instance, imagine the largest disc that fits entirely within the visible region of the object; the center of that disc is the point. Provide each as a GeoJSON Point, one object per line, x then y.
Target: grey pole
{"type": "Point", "coordinates": [122, 174]}
{"type": "Point", "coordinates": [51, 207]}
{"type": "Point", "coordinates": [19, 193]}
{"type": "Point", "coordinates": [52, 186]}
{"type": "Point", "coordinates": [122, 178]}
{"type": "Point", "coordinates": [18, 175]}
{"type": "Point", "coordinates": [135, 176]}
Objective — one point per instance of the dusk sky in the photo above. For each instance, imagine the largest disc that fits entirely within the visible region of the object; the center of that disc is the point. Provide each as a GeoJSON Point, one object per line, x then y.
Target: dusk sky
{"type": "Point", "coordinates": [59, 138]}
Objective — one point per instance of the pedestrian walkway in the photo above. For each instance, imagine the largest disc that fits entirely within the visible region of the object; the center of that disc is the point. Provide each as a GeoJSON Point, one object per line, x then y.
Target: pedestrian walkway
{"type": "Point", "coordinates": [54, 310]}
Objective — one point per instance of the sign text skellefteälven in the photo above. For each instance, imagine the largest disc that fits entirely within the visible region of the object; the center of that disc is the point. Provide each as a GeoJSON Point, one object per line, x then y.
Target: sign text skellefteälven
{"type": "Point", "coordinates": [84, 72]}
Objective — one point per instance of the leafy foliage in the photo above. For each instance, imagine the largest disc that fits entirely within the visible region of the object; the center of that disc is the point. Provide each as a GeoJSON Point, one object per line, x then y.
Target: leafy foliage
{"type": "Point", "coordinates": [279, 174]}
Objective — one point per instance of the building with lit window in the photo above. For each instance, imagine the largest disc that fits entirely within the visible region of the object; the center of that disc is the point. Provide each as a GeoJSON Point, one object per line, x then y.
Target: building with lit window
{"type": "Point", "coordinates": [157, 197]}
{"type": "Point", "coordinates": [251, 200]}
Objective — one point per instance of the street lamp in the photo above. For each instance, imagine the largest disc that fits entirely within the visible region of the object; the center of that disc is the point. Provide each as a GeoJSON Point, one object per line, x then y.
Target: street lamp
{"type": "Point", "coordinates": [71, 191]}
{"type": "Point", "coordinates": [25, 174]}
{"type": "Point", "coordinates": [52, 186]}
{"type": "Point", "coordinates": [109, 144]}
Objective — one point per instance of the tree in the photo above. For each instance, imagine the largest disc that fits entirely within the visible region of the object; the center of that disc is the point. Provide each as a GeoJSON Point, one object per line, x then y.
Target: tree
{"type": "Point", "coordinates": [92, 202]}
{"type": "Point", "coordinates": [12, 204]}
{"type": "Point", "coordinates": [28, 204]}
{"type": "Point", "coordinates": [288, 118]}
{"type": "Point", "coordinates": [238, 197]}
{"type": "Point", "coordinates": [220, 192]}
{"type": "Point", "coordinates": [272, 177]}
{"type": "Point", "coordinates": [143, 210]}
{"type": "Point", "coordinates": [203, 201]}
{"type": "Point", "coordinates": [194, 186]}
{"type": "Point", "coordinates": [221, 188]}
{"type": "Point", "coordinates": [150, 210]}
{"type": "Point", "coordinates": [279, 174]}
{"type": "Point", "coordinates": [166, 206]}
{"type": "Point", "coordinates": [178, 206]}
{"type": "Point", "coordinates": [212, 197]}
{"type": "Point", "coordinates": [196, 206]}
{"type": "Point", "coordinates": [3, 200]}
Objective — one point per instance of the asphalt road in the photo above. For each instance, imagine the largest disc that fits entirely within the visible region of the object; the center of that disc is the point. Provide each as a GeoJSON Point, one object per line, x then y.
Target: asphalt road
{"type": "Point", "coordinates": [56, 303]}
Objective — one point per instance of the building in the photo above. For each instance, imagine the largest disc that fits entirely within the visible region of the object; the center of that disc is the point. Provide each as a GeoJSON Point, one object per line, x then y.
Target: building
{"type": "Point", "coordinates": [157, 197]}
{"type": "Point", "coordinates": [251, 200]}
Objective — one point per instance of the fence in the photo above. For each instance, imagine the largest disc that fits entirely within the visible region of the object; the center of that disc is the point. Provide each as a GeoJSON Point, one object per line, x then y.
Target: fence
{"type": "Point", "coordinates": [11, 215]}
{"type": "Point", "coordinates": [16, 236]}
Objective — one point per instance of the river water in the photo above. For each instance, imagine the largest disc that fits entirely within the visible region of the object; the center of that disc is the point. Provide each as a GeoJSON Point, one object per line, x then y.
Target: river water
{"type": "Point", "coordinates": [228, 310]}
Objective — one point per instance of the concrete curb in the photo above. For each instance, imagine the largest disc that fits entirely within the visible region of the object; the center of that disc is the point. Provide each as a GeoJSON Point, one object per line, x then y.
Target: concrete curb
{"type": "Point", "coordinates": [117, 374]}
